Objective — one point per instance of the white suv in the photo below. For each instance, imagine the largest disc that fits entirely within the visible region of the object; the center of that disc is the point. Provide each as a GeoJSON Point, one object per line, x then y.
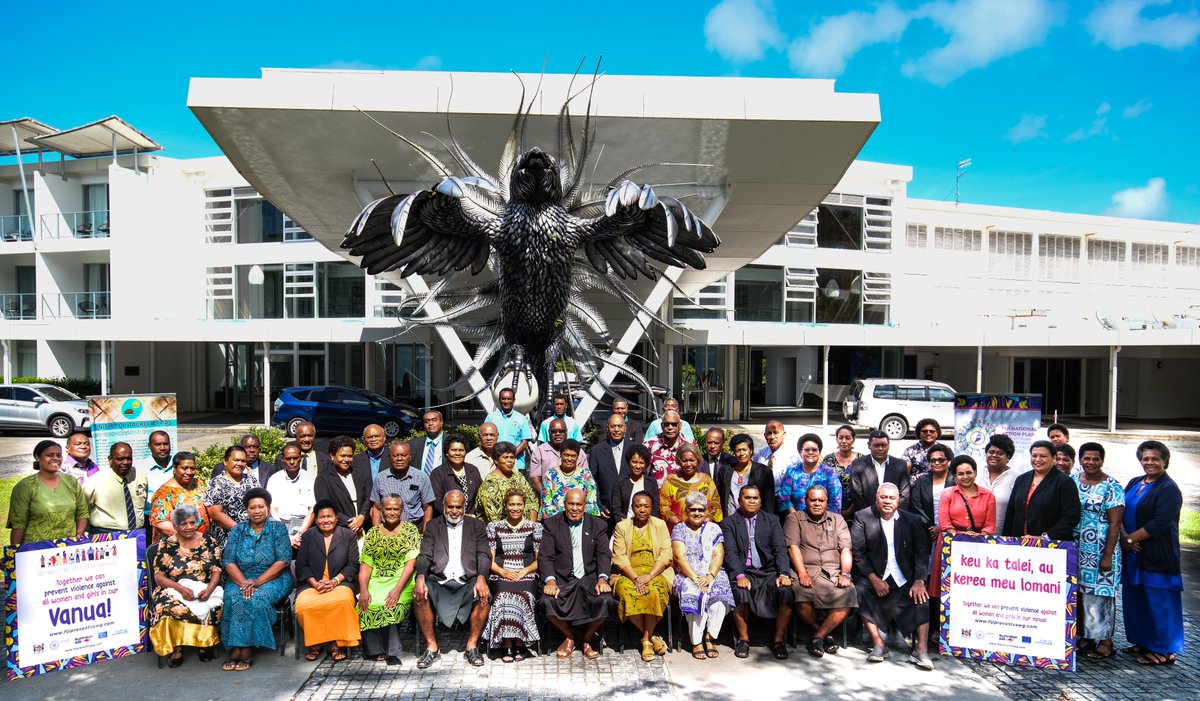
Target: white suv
{"type": "Point", "coordinates": [42, 407]}
{"type": "Point", "coordinates": [894, 406]}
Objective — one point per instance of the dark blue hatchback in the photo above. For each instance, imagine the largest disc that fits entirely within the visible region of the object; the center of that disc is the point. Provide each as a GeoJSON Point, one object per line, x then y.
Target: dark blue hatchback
{"type": "Point", "coordinates": [343, 410]}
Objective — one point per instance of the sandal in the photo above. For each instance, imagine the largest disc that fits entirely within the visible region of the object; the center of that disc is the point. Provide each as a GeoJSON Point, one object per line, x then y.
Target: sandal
{"type": "Point", "coordinates": [1134, 650]}
{"type": "Point", "coordinates": [590, 652]}
{"type": "Point", "coordinates": [1153, 659]}
{"type": "Point", "coordinates": [1086, 644]}
{"type": "Point", "coordinates": [1101, 652]}
{"type": "Point", "coordinates": [565, 650]}
{"type": "Point", "coordinates": [816, 647]}
{"type": "Point", "coordinates": [312, 654]}
{"type": "Point", "coordinates": [521, 653]}
{"type": "Point", "coordinates": [710, 649]}
{"type": "Point", "coordinates": [660, 645]}
{"type": "Point", "coordinates": [698, 652]}
{"type": "Point", "coordinates": [508, 657]}
{"type": "Point", "coordinates": [229, 664]}
{"type": "Point", "coordinates": [648, 651]}
{"type": "Point", "coordinates": [337, 654]}
{"type": "Point", "coordinates": [244, 665]}
{"type": "Point", "coordinates": [831, 645]}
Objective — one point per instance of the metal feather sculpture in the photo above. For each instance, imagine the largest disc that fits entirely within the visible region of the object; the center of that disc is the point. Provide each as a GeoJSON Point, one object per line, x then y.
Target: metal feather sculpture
{"type": "Point", "coordinates": [547, 240]}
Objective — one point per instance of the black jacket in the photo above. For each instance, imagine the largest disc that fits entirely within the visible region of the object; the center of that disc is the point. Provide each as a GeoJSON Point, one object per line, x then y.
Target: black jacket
{"type": "Point", "coordinates": [435, 549]}
{"type": "Point", "coordinates": [714, 469]}
{"type": "Point", "coordinates": [864, 482]}
{"type": "Point", "coordinates": [622, 492]}
{"type": "Point", "coordinates": [555, 558]}
{"type": "Point", "coordinates": [328, 485]}
{"type": "Point", "coordinates": [442, 480]}
{"type": "Point", "coordinates": [1054, 508]}
{"type": "Point", "coordinates": [868, 545]}
{"type": "Point", "coordinates": [768, 534]}
{"type": "Point", "coordinates": [760, 476]}
{"type": "Point", "coordinates": [600, 462]}
{"type": "Point", "coordinates": [311, 558]}
{"type": "Point", "coordinates": [920, 498]}
{"type": "Point", "coordinates": [1158, 512]}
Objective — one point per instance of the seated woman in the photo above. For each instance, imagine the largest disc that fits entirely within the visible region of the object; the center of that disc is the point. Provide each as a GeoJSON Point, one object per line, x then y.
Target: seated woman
{"type": "Point", "coordinates": [327, 570]}
{"type": "Point", "coordinates": [181, 489]}
{"type": "Point", "coordinates": [642, 564]}
{"type": "Point", "coordinates": [44, 505]}
{"type": "Point", "coordinates": [685, 482]}
{"type": "Point", "coordinates": [514, 542]}
{"type": "Point", "coordinates": [186, 606]}
{"type": "Point", "coordinates": [702, 586]}
{"type": "Point", "coordinates": [256, 558]}
{"type": "Point", "coordinates": [385, 580]}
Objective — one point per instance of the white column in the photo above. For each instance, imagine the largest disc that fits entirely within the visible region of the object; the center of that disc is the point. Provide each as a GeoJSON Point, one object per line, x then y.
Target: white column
{"type": "Point", "coordinates": [7, 361]}
{"type": "Point", "coordinates": [266, 368]}
{"type": "Point", "coordinates": [103, 366]}
{"type": "Point", "coordinates": [429, 372]}
{"type": "Point", "coordinates": [1112, 388]}
{"type": "Point", "coordinates": [979, 368]}
{"type": "Point", "coordinates": [825, 390]}
{"type": "Point", "coordinates": [458, 351]}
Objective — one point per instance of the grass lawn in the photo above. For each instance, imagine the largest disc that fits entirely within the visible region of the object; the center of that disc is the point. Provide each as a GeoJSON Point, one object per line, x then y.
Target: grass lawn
{"type": "Point", "coordinates": [6, 487]}
{"type": "Point", "coordinates": [1189, 527]}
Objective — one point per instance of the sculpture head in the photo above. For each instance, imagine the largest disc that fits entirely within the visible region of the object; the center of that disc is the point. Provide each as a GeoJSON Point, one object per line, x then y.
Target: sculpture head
{"type": "Point", "coordinates": [535, 179]}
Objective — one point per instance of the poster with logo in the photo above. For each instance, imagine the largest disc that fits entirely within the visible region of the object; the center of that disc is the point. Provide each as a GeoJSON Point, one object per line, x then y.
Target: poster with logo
{"type": "Point", "coordinates": [131, 419]}
{"type": "Point", "coordinates": [73, 602]}
{"type": "Point", "coordinates": [978, 417]}
{"type": "Point", "coordinates": [1009, 600]}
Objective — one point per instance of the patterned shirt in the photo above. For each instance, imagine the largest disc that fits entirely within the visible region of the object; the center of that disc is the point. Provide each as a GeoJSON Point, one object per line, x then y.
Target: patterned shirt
{"type": "Point", "coordinates": [793, 487]}
{"type": "Point", "coordinates": [915, 455]}
{"type": "Point", "coordinates": [662, 458]}
{"type": "Point", "coordinates": [554, 490]}
{"type": "Point", "coordinates": [414, 488]}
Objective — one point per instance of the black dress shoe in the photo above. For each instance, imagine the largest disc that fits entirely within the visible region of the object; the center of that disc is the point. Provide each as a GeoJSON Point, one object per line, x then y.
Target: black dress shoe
{"type": "Point", "coordinates": [741, 648]}
{"type": "Point", "coordinates": [427, 658]}
{"type": "Point", "coordinates": [394, 661]}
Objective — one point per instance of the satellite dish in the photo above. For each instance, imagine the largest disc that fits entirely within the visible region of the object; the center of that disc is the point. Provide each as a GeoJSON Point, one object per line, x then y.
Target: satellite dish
{"type": "Point", "coordinates": [1110, 320]}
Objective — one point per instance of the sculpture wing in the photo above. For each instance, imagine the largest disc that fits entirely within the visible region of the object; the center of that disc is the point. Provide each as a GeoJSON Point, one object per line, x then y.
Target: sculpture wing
{"type": "Point", "coordinates": [424, 233]}
{"type": "Point", "coordinates": [637, 225]}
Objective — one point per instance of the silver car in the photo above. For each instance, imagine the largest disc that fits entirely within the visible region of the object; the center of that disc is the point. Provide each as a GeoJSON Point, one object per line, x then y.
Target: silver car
{"type": "Point", "coordinates": [42, 407]}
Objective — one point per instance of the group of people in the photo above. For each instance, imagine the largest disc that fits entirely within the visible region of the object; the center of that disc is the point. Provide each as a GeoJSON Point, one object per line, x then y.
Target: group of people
{"type": "Point", "coordinates": [531, 521]}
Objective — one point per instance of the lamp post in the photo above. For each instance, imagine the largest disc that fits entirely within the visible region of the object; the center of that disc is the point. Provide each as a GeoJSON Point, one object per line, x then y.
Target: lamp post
{"type": "Point", "coordinates": [255, 277]}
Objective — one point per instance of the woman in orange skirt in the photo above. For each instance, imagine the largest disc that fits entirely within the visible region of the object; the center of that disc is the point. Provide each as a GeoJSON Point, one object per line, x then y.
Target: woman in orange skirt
{"type": "Point", "coordinates": [327, 569]}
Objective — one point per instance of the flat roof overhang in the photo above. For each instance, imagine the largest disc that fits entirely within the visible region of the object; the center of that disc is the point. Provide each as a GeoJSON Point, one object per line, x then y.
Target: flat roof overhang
{"type": "Point", "coordinates": [776, 147]}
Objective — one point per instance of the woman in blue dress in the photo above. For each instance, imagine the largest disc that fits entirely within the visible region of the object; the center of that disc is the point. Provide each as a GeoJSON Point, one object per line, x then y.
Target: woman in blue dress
{"type": "Point", "coordinates": [256, 558]}
{"type": "Point", "coordinates": [700, 584]}
{"type": "Point", "coordinates": [1102, 502]}
{"type": "Point", "coordinates": [1152, 582]}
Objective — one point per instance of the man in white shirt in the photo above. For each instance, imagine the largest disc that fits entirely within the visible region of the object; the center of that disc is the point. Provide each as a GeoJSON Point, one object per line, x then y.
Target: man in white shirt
{"type": "Point", "coordinates": [481, 457]}
{"type": "Point", "coordinates": [776, 454]}
{"type": "Point", "coordinates": [292, 496]}
{"type": "Point", "coordinates": [891, 561]}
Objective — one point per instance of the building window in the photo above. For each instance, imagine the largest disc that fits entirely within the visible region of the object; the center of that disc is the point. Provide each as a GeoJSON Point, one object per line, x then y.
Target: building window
{"type": "Point", "coordinates": [1058, 257]}
{"type": "Point", "coordinates": [91, 352]}
{"type": "Point", "coordinates": [853, 297]}
{"type": "Point", "coordinates": [709, 303]}
{"type": "Point", "coordinates": [27, 365]}
{"type": "Point", "coordinates": [341, 291]}
{"type": "Point", "coordinates": [1149, 258]}
{"type": "Point", "coordinates": [962, 240]}
{"type": "Point", "coordinates": [1187, 256]}
{"type": "Point", "coordinates": [240, 215]}
{"type": "Point", "coordinates": [1011, 254]}
{"type": "Point", "coordinates": [758, 294]}
{"type": "Point", "coordinates": [918, 236]}
{"type": "Point", "coordinates": [1105, 258]}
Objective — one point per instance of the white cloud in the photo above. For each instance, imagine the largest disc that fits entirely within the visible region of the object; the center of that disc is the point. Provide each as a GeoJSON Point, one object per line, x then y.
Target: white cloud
{"type": "Point", "coordinates": [1099, 125]}
{"type": "Point", "coordinates": [1137, 109]}
{"type": "Point", "coordinates": [1141, 202]}
{"type": "Point", "coordinates": [1031, 126]}
{"type": "Point", "coordinates": [742, 30]}
{"type": "Point", "coordinates": [834, 40]}
{"type": "Point", "coordinates": [1120, 24]}
{"type": "Point", "coordinates": [428, 63]}
{"type": "Point", "coordinates": [981, 31]}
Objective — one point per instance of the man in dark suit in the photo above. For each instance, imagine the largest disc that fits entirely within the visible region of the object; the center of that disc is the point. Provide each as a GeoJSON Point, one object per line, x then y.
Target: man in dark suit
{"type": "Point", "coordinates": [869, 471]}
{"type": "Point", "coordinates": [375, 457]}
{"type": "Point", "coordinates": [455, 473]}
{"type": "Point", "coordinates": [742, 472]}
{"type": "Point", "coordinates": [452, 578]}
{"type": "Point", "coordinates": [574, 561]}
{"type": "Point", "coordinates": [890, 548]}
{"type": "Point", "coordinates": [311, 459]}
{"type": "Point", "coordinates": [715, 456]}
{"type": "Point", "coordinates": [353, 510]}
{"type": "Point", "coordinates": [756, 559]}
{"type": "Point", "coordinates": [634, 430]}
{"type": "Point", "coordinates": [606, 460]}
{"type": "Point", "coordinates": [427, 450]}
{"type": "Point", "coordinates": [261, 470]}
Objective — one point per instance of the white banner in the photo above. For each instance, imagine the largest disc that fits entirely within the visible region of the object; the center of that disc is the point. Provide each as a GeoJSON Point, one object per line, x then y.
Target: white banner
{"type": "Point", "coordinates": [978, 417]}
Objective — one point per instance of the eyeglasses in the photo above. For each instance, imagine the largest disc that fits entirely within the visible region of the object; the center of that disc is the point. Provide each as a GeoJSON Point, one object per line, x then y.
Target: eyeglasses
{"type": "Point", "coordinates": [670, 423]}
{"type": "Point", "coordinates": [937, 461]}
{"type": "Point", "coordinates": [698, 510]}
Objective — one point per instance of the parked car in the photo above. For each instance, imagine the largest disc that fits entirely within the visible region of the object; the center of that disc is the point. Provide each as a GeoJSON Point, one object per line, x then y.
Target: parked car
{"type": "Point", "coordinates": [334, 409]}
{"type": "Point", "coordinates": [894, 406]}
{"type": "Point", "coordinates": [35, 407]}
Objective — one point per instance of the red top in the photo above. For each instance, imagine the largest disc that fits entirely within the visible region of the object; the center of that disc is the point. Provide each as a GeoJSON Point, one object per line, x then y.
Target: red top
{"type": "Point", "coordinates": [952, 512]}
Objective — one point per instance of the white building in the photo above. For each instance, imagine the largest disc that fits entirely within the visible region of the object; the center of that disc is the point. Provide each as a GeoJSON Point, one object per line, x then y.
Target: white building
{"type": "Point", "coordinates": [156, 274]}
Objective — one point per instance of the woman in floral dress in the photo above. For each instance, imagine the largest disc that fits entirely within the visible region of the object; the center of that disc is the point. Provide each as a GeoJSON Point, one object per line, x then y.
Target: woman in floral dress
{"type": "Point", "coordinates": [186, 606]}
{"type": "Point", "coordinates": [385, 581]}
{"type": "Point", "coordinates": [511, 624]}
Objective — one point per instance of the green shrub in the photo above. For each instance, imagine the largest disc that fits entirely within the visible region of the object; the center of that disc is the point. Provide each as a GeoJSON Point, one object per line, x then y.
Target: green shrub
{"type": "Point", "coordinates": [82, 386]}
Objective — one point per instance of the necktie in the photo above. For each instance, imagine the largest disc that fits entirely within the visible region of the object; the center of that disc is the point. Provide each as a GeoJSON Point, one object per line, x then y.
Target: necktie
{"type": "Point", "coordinates": [427, 467]}
{"type": "Point", "coordinates": [129, 512]}
{"type": "Point", "coordinates": [577, 550]}
{"type": "Point", "coordinates": [616, 451]}
{"type": "Point", "coordinates": [771, 463]}
{"type": "Point", "coordinates": [755, 561]}
{"type": "Point", "coordinates": [304, 463]}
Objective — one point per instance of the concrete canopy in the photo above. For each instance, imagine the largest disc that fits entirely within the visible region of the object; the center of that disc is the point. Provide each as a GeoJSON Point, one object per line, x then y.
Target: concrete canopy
{"type": "Point", "coordinates": [776, 147]}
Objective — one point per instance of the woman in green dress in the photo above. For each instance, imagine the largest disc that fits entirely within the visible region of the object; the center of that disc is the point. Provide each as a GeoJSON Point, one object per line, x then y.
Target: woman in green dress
{"type": "Point", "coordinates": [45, 505]}
{"type": "Point", "coordinates": [385, 581]}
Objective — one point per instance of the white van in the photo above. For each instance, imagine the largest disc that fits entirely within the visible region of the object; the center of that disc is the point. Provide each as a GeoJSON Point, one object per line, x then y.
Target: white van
{"type": "Point", "coordinates": [895, 406]}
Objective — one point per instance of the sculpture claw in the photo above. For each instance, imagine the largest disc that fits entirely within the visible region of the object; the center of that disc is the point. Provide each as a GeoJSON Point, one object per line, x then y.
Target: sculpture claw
{"type": "Point", "coordinates": [648, 199]}
{"type": "Point", "coordinates": [629, 193]}
{"type": "Point", "coordinates": [451, 187]}
{"type": "Point", "coordinates": [611, 203]}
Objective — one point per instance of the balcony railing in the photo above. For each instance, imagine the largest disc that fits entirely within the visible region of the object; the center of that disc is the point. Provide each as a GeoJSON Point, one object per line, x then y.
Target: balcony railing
{"type": "Point", "coordinates": [16, 227]}
{"type": "Point", "coordinates": [76, 305]}
{"type": "Point", "coordinates": [79, 225]}
{"type": "Point", "coordinates": [18, 306]}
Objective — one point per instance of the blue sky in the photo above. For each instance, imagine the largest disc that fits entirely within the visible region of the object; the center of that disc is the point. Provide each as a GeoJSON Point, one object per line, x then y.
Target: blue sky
{"type": "Point", "coordinates": [1079, 107]}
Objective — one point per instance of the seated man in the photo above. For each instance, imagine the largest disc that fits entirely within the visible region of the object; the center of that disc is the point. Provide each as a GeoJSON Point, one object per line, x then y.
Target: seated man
{"type": "Point", "coordinates": [452, 574]}
{"type": "Point", "coordinates": [756, 559]}
{"type": "Point", "coordinates": [818, 542]}
{"type": "Point", "coordinates": [891, 561]}
{"type": "Point", "coordinates": [574, 560]}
